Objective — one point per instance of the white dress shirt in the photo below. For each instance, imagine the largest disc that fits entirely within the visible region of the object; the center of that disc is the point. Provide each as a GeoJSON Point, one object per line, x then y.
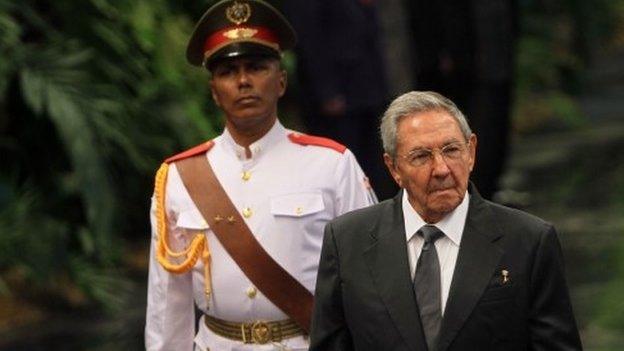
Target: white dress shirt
{"type": "Point", "coordinates": [447, 246]}
{"type": "Point", "coordinates": [286, 193]}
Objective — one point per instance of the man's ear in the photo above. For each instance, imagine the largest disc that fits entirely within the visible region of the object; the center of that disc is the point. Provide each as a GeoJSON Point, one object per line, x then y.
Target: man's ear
{"type": "Point", "coordinates": [215, 97]}
{"type": "Point", "coordinates": [472, 150]}
{"type": "Point", "coordinates": [389, 161]}
{"type": "Point", "coordinates": [283, 82]}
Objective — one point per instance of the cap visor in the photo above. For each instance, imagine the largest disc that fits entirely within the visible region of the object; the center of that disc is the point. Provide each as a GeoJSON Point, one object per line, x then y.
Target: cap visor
{"type": "Point", "coordinates": [235, 50]}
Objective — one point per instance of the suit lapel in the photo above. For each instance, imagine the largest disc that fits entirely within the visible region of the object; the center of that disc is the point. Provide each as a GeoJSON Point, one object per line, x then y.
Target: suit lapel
{"type": "Point", "coordinates": [389, 267]}
{"type": "Point", "coordinates": [478, 257]}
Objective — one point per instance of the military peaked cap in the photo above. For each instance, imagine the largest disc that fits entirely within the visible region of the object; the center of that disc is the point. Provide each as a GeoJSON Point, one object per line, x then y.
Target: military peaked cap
{"type": "Point", "coordinates": [233, 28]}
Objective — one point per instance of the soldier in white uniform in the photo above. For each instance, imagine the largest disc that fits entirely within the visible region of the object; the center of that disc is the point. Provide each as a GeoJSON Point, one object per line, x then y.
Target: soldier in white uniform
{"type": "Point", "coordinates": [285, 185]}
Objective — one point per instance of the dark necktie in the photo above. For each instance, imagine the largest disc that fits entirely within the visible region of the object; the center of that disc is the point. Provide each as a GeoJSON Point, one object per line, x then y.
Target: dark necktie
{"type": "Point", "coordinates": [427, 285]}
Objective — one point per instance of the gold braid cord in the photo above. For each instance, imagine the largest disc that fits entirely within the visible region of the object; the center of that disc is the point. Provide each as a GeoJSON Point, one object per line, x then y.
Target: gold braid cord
{"type": "Point", "coordinates": [198, 247]}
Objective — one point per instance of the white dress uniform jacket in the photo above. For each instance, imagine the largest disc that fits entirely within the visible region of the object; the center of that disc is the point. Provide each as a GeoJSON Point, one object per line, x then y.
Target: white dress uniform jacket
{"type": "Point", "coordinates": [286, 192]}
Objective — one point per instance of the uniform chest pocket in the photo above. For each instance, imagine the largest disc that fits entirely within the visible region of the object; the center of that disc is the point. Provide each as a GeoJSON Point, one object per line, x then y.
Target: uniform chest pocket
{"type": "Point", "coordinates": [188, 225]}
{"type": "Point", "coordinates": [191, 220]}
{"type": "Point", "coordinates": [297, 205]}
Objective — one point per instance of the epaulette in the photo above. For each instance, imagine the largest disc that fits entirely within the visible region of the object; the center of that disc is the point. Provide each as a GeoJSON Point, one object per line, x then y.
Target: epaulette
{"type": "Point", "coordinates": [305, 139]}
{"type": "Point", "coordinates": [203, 147]}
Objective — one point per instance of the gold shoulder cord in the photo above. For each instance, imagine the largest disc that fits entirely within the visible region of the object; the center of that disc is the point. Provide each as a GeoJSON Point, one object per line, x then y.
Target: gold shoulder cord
{"type": "Point", "coordinates": [199, 244]}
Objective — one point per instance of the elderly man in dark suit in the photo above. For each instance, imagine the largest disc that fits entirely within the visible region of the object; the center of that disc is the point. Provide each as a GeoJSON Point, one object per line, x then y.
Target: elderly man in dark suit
{"type": "Point", "coordinates": [438, 267]}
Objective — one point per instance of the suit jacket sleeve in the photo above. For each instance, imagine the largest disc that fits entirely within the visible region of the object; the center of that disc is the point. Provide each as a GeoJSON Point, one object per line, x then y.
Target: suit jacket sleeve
{"type": "Point", "coordinates": [551, 321]}
{"type": "Point", "coordinates": [329, 328]}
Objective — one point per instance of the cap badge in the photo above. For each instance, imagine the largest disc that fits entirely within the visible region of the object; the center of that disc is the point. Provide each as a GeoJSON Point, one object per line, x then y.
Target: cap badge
{"type": "Point", "coordinates": [238, 13]}
{"type": "Point", "coordinates": [240, 33]}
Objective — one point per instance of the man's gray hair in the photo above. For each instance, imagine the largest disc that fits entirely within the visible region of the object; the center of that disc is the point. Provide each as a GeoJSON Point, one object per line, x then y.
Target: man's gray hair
{"type": "Point", "coordinates": [412, 103]}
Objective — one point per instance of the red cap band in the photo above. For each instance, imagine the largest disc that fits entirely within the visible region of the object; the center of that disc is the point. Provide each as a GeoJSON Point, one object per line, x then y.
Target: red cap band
{"type": "Point", "coordinates": [229, 35]}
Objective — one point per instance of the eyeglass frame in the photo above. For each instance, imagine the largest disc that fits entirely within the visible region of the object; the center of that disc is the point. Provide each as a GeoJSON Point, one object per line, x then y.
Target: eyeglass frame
{"type": "Point", "coordinates": [464, 147]}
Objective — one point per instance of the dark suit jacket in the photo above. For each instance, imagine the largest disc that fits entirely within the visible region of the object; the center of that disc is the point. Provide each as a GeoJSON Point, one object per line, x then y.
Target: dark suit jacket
{"type": "Point", "coordinates": [338, 52]}
{"type": "Point", "coordinates": [365, 298]}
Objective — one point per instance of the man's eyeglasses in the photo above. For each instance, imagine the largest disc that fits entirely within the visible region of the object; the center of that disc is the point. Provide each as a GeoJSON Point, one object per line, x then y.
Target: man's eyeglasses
{"type": "Point", "coordinates": [449, 152]}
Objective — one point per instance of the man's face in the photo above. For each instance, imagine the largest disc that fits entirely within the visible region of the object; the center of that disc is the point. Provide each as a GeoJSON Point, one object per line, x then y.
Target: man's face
{"type": "Point", "coordinates": [438, 186]}
{"type": "Point", "coordinates": [247, 90]}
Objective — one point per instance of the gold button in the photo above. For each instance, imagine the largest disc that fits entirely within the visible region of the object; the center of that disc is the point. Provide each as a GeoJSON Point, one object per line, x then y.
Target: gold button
{"type": "Point", "coordinates": [299, 210]}
{"type": "Point", "coordinates": [247, 212]}
{"type": "Point", "coordinates": [246, 175]}
{"type": "Point", "coordinates": [251, 292]}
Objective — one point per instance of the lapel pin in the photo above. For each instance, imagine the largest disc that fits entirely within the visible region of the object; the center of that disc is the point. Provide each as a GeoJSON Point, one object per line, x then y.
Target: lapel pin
{"type": "Point", "coordinates": [218, 218]}
{"type": "Point", "coordinates": [231, 219]}
{"type": "Point", "coordinates": [505, 274]}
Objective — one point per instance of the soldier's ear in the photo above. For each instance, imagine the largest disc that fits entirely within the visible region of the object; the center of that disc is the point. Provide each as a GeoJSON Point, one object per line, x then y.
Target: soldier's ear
{"type": "Point", "coordinates": [283, 82]}
{"type": "Point", "coordinates": [215, 96]}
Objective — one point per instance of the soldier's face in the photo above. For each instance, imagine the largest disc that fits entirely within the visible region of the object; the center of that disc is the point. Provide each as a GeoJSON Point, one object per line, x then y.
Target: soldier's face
{"type": "Point", "coordinates": [437, 186]}
{"type": "Point", "coordinates": [247, 90]}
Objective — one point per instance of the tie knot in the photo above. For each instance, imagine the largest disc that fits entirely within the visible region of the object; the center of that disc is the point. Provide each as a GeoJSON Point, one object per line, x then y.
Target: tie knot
{"type": "Point", "coordinates": [430, 233]}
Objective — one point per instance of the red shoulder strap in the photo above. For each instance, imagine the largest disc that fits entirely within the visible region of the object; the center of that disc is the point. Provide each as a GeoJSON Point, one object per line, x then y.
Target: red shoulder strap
{"type": "Point", "coordinates": [305, 139]}
{"type": "Point", "coordinates": [203, 147]}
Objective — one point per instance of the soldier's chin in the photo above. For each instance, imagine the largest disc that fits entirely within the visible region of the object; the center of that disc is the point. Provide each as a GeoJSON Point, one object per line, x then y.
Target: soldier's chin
{"type": "Point", "coordinates": [248, 120]}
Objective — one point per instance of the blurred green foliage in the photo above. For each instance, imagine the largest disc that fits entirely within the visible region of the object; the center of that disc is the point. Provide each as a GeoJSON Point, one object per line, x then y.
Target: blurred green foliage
{"type": "Point", "coordinates": [559, 39]}
{"type": "Point", "coordinates": [93, 94]}
{"type": "Point", "coordinates": [610, 310]}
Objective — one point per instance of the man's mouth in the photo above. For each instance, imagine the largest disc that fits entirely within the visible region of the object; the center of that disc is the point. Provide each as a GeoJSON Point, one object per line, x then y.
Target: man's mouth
{"type": "Point", "coordinates": [441, 188]}
{"type": "Point", "coordinates": [247, 99]}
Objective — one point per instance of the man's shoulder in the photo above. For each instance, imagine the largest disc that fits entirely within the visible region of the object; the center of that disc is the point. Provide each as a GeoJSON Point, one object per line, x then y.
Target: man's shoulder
{"type": "Point", "coordinates": [366, 216]}
{"type": "Point", "coordinates": [195, 150]}
{"type": "Point", "coordinates": [354, 231]}
{"type": "Point", "coordinates": [521, 221]}
{"type": "Point", "coordinates": [307, 140]}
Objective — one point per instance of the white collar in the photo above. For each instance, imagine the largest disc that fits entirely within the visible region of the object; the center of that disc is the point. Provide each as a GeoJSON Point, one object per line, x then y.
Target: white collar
{"type": "Point", "coordinates": [262, 145]}
{"type": "Point", "coordinates": [452, 225]}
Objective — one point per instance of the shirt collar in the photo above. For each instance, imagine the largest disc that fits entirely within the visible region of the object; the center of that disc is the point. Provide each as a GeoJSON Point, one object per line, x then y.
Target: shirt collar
{"type": "Point", "coordinates": [452, 225]}
{"type": "Point", "coordinates": [260, 146]}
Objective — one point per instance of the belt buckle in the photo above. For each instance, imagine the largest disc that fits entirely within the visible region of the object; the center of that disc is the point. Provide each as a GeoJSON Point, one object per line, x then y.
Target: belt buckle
{"type": "Point", "coordinates": [261, 332]}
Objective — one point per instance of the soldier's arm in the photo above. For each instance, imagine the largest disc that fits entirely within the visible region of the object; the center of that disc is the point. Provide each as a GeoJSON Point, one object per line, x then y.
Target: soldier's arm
{"type": "Point", "coordinates": [353, 190]}
{"type": "Point", "coordinates": [170, 319]}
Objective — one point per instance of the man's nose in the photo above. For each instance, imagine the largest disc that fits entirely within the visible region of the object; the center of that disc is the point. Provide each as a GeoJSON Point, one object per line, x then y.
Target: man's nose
{"type": "Point", "coordinates": [440, 167]}
{"type": "Point", "coordinates": [243, 78]}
